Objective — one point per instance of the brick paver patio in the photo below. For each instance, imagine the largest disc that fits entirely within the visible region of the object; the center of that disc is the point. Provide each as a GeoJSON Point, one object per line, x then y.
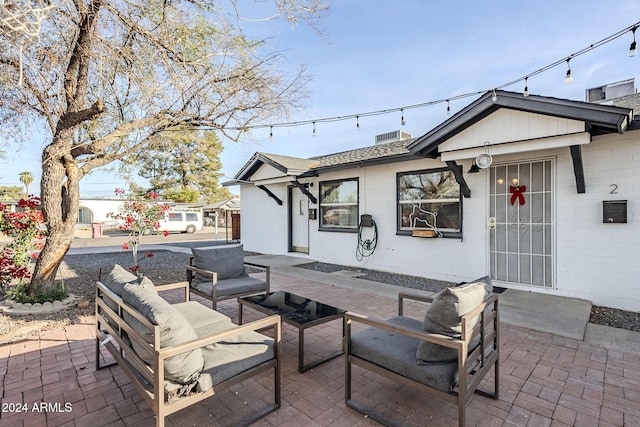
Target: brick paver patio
{"type": "Point", "coordinates": [545, 380]}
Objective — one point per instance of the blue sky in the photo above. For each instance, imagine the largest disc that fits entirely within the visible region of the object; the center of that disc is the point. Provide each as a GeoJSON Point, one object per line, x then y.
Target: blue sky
{"type": "Point", "coordinates": [386, 54]}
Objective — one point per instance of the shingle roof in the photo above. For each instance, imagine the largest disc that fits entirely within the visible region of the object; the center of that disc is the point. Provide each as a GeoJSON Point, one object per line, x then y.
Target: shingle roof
{"type": "Point", "coordinates": [365, 154]}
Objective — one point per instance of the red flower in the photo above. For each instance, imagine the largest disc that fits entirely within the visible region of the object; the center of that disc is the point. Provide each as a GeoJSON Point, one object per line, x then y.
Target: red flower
{"type": "Point", "coordinates": [35, 255]}
{"type": "Point", "coordinates": [135, 268]}
{"type": "Point", "coordinates": [148, 255]}
{"type": "Point", "coordinates": [165, 233]}
{"type": "Point", "coordinates": [125, 246]}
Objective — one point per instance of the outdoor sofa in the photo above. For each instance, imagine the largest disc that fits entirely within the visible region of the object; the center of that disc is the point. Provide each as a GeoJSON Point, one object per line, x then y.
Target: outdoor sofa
{"type": "Point", "coordinates": [179, 354]}
{"type": "Point", "coordinates": [447, 355]}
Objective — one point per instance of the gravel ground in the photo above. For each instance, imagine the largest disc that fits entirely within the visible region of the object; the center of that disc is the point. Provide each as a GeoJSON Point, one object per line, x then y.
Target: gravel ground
{"type": "Point", "coordinates": [604, 316]}
{"type": "Point", "coordinates": [80, 272]}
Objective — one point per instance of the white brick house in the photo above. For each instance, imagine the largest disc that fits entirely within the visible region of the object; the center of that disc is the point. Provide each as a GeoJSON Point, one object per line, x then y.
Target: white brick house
{"type": "Point", "coordinates": [555, 210]}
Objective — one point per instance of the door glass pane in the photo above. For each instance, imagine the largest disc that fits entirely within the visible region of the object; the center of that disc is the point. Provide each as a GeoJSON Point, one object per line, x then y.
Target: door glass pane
{"type": "Point", "coordinates": [513, 268]}
{"type": "Point", "coordinates": [525, 269]}
{"type": "Point", "coordinates": [537, 176]}
{"type": "Point", "coordinates": [501, 237]}
{"type": "Point", "coordinates": [537, 265]}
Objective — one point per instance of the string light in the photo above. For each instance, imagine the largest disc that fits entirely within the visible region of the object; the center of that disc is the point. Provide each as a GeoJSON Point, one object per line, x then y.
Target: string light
{"type": "Point", "coordinates": [271, 134]}
{"type": "Point", "coordinates": [358, 122]}
{"type": "Point", "coordinates": [494, 97]}
{"type": "Point", "coordinates": [632, 48]}
{"type": "Point", "coordinates": [524, 78]}
{"type": "Point", "coordinates": [448, 108]}
{"type": "Point", "coordinates": [569, 78]}
{"type": "Point", "coordinates": [402, 122]}
{"type": "Point", "coordinates": [526, 86]}
{"type": "Point", "coordinates": [314, 128]}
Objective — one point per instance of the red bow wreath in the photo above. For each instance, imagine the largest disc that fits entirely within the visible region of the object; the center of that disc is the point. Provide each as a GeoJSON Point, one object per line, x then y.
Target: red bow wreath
{"type": "Point", "coordinates": [516, 193]}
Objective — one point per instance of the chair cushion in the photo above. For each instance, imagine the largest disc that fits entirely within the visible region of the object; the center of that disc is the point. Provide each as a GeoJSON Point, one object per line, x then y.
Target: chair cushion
{"type": "Point", "coordinates": [397, 353]}
{"type": "Point", "coordinates": [444, 317]}
{"type": "Point", "coordinates": [227, 261]}
{"type": "Point", "coordinates": [174, 330]}
{"type": "Point", "coordinates": [115, 281]}
{"type": "Point", "coordinates": [234, 286]}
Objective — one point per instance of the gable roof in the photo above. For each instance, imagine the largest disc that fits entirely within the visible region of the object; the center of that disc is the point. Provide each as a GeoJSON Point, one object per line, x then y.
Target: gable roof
{"type": "Point", "coordinates": [289, 166]}
{"type": "Point", "coordinates": [598, 118]}
{"type": "Point", "coordinates": [298, 167]}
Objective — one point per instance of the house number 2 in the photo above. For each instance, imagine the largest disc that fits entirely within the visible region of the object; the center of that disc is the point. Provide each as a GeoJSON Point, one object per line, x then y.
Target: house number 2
{"type": "Point", "coordinates": [614, 190]}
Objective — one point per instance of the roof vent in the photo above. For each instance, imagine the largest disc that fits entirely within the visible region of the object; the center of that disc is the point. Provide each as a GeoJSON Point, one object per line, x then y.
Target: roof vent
{"type": "Point", "coordinates": [611, 91]}
{"type": "Point", "coordinates": [395, 136]}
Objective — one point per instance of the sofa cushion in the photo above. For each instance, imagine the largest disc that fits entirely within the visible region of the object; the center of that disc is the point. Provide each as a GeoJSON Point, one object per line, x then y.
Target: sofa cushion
{"type": "Point", "coordinates": [444, 317]}
{"type": "Point", "coordinates": [397, 353]}
{"type": "Point", "coordinates": [115, 281]}
{"type": "Point", "coordinates": [234, 286]}
{"type": "Point", "coordinates": [228, 358]}
{"type": "Point", "coordinates": [174, 330]}
{"type": "Point", "coordinates": [226, 261]}
{"type": "Point", "coordinates": [198, 315]}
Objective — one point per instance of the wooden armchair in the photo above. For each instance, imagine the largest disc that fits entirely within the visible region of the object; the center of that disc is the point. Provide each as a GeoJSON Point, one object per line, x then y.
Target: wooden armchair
{"type": "Point", "coordinates": [219, 273]}
{"type": "Point", "coordinates": [392, 349]}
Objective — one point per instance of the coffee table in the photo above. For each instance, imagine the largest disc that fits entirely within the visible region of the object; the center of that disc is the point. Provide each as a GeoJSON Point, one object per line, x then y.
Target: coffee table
{"type": "Point", "coordinates": [298, 311]}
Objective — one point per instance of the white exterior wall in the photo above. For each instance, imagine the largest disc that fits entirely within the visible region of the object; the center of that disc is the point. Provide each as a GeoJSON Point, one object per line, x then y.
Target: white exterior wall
{"type": "Point", "coordinates": [100, 208]}
{"type": "Point", "coordinates": [263, 223]}
{"type": "Point", "coordinates": [594, 261]}
{"type": "Point", "coordinates": [598, 261]}
{"type": "Point", "coordinates": [401, 254]}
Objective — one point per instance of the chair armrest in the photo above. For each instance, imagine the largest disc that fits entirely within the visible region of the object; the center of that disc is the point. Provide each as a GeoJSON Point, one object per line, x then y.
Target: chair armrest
{"type": "Point", "coordinates": [403, 295]}
{"type": "Point", "coordinates": [171, 286]}
{"type": "Point", "coordinates": [440, 339]}
{"type": "Point", "coordinates": [191, 270]}
{"type": "Point", "coordinates": [267, 322]}
{"type": "Point", "coordinates": [260, 266]}
{"type": "Point", "coordinates": [267, 270]}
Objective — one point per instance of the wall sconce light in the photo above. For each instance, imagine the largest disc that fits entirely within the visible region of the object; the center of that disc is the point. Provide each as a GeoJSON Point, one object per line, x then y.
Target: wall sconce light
{"type": "Point", "coordinates": [474, 168]}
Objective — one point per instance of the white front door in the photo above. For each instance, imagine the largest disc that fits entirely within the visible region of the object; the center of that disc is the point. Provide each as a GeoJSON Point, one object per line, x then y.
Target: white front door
{"type": "Point", "coordinates": [521, 223]}
{"type": "Point", "coordinates": [299, 216]}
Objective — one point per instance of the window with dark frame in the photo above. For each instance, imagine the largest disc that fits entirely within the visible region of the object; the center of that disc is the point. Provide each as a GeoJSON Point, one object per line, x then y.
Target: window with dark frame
{"type": "Point", "coordinates": [429, 199]}
{"type": "Point", "coordinates": [339, 204]}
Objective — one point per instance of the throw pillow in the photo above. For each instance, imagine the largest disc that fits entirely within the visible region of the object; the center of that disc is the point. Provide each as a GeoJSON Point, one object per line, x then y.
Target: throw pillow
{"type": "Point", "coordinates": [183, 368]}
{"type": "Point", "coordinates": [486, 281]}
{"type": "Point", "coordinates": [227, 261]}
{"type": "Point", "coordinates": [115, 281]}
{"type": "Point", "coordinates": [444, 317]}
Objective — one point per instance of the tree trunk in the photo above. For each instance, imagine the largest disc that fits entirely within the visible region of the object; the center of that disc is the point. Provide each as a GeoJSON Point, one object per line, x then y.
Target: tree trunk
{"type": "Point", "coordinates": [60, 189]}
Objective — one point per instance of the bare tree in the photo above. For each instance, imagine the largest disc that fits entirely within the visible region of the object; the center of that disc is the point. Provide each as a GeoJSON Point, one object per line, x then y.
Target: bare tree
{"type": "Point", "coordinates": [107, 75]}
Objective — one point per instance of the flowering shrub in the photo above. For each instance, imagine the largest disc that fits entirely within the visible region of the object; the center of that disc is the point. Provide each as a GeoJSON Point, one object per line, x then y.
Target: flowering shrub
{"type": "Point", "coordinates": [23, 228]}
{"type": "Point", "coordinates": [138, 218]}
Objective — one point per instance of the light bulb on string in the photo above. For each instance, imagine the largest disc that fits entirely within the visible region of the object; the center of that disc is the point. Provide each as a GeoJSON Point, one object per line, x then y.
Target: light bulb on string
{"type": "Point", "coordinates": [526, 86]}
{"type": "Point", "coordinates": [568, 78]}
{"type": "Point", "coordinates": [358, 122]}
{"type": "Point", "coordinates": [448, 108]}
{"type": "Point", "coordinates": [633, 48]}
{"type": "Point", "coordinates": [271, 134]}
{"type": "Point", "coordinates": [314, 128]}
{"type": "Point", "coordinates": [402, 122]}
{"type": "Point", "coordinates": [494, 97]}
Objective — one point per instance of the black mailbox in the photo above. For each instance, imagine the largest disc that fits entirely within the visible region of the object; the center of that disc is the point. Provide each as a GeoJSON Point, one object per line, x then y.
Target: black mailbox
{"type": "Point", "coordinates": [614, 211]}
